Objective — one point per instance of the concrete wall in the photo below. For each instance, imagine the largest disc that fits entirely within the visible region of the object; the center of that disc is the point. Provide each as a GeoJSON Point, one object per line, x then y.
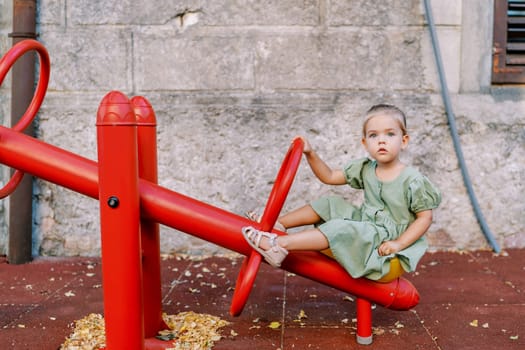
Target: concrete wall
{"type": "Point", "coordinates": [232, 82]}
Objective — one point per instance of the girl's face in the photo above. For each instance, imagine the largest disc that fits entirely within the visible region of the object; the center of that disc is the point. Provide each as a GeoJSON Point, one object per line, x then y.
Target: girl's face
{"type": "Point", "coordinates": [384, 139]}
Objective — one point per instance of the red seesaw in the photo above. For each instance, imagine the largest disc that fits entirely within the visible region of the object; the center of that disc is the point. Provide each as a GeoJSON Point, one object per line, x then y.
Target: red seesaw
{"type": "Point", "coordinates": [132, 205]}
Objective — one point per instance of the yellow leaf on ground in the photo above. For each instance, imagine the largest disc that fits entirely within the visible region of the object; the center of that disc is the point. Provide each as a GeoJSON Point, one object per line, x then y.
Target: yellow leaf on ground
{"type": "Point", "coordinates": [274, 325]}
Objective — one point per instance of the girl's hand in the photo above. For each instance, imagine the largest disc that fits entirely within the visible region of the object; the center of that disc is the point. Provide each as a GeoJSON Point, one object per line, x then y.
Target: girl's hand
{"type": "Point", "coordinates": [307, 148]}
{"type": "Point", "coordinates": [320, 169]}
{"type": "Point", "coordinates": [389, 247]}
{"type": "Point", "coordinates": [414, 231]}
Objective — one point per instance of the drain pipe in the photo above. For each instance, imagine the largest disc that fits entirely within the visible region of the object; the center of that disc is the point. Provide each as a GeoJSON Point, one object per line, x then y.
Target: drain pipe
{"type": "Point", "coordinates": [22, 89]}
{"type": "Point", "coordinates": [454, 132]}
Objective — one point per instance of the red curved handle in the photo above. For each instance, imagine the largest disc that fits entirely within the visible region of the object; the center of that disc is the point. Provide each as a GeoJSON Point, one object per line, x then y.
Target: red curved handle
{"type": "Point", "coordinates": [9, 60]}
{"type": "Point", "coordinates": [280, 190]}
{"type": "Point", "coordinates": [244, 283]}
{"type": "Point", "coordinates": [6, 63]}
{"type": "Point", "coordinates": [12, 184]}
{"type": "Point", "coordinates": [282, 185]}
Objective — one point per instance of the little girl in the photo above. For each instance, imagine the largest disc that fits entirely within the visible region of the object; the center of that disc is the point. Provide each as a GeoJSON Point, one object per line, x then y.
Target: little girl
{"type": "Point", "coordinates": [396, 212]}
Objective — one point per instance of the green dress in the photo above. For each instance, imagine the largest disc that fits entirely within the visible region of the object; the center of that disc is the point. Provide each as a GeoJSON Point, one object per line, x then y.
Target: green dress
{"type": "Point", "coordinates": [355, 233]}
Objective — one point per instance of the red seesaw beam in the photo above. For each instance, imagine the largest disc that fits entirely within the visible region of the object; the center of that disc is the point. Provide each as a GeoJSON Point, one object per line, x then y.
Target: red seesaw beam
{"type": "Point", "coordinates": [183, 213]}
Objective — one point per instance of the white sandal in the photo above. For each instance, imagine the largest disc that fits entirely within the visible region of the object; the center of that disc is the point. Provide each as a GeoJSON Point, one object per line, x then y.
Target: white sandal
{"type": "Point", "coordinates": [254, 216]}
{"type": "Point", "coordinates": [275, 255]}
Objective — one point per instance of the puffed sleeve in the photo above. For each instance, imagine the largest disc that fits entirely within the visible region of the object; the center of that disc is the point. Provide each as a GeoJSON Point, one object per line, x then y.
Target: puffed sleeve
{"type": "Point", "coordinates": [353, 172]}
{"type": "Point", "coordinates": [424, 195]}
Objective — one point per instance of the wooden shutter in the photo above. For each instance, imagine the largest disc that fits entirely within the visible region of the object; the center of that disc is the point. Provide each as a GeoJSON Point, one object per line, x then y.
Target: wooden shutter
{"type": "Point", "coordinates": [508, 65]}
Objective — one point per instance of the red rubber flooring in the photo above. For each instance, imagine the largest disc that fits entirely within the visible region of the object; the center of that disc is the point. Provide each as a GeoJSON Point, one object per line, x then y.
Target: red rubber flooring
{"type": "Point", "coordinates": [473, 300]}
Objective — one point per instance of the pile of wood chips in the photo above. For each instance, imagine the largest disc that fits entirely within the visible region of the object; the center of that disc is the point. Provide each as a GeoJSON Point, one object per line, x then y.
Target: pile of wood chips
{"type": "Point", "coordinates": [187, 330]}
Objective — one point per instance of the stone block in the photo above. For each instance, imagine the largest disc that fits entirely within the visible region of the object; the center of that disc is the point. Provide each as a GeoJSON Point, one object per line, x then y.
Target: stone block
{"type": "Point", "coordinates": [449, 40]}
{"type": "Point", "coordinates": [256, 13]}
{"type": "Point", "coordinates": [89, 59]}
{"type": "Point", "coordinates": [127, 12]}
{"type": "Point", "coordinates": [52, 12]}
{"type": "Point", "coordinates": [476, 47]}
{"type": "Point", "coordinates": [6, 15]}
{"type": "Point", "coordinates": [448, 12]}
{"type": "Point", "coordinates": [213, 13]}
{"type": "Point", "coordinates": [382, 13]}
{"type": "Point", "coordinates": [193, 62]}
{"type": "Point", "coordinates": [350, 59]}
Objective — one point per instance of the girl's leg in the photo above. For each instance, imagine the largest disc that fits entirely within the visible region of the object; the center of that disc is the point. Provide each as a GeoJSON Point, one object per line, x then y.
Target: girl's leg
{"type": "Point", "coordinates": [312, 239]}
{"type": "Point", "coordinates": [299, 217]}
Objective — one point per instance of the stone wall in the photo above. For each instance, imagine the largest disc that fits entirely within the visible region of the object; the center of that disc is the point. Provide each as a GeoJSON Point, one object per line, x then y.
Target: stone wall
{"type": "Point", "coordinates": [232, 82]}
{"type": "Point", "coordinates": [5, 111]}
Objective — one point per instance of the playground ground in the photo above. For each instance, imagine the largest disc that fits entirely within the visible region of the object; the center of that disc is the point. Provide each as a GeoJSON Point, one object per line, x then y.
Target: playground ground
{"type": "Point", "coordinates": [469, 300]}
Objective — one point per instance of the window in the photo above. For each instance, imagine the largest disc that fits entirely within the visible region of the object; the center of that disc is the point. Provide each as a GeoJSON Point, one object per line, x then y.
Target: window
{"type": "Point", "coordinates": [508, 61]}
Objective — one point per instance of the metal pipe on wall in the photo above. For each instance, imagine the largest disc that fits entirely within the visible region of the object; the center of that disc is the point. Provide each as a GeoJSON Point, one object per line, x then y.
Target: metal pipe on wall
{"type": "Point", "coordinates": [489, 236]}
{"type": "Point", "coordinates": [22, 88]}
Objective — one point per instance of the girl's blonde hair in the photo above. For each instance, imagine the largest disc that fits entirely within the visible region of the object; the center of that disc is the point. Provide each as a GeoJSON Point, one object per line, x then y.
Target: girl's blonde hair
{"type": "Point", "coordinates": [386, 109]}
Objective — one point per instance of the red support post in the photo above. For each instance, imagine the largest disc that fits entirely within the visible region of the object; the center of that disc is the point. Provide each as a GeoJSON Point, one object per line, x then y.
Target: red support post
{"type": "Point", "coordinates": [149, 229]}
{"type": "Point", "coordinates": [364, 321]}
{"type": "Point", "coordinates": [119, 222]}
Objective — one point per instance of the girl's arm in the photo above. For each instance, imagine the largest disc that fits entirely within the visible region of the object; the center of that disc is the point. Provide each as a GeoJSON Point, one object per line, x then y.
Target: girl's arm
{"type": "Point", "coordinates": [323, 172]}
{"type": "Point", "coordinates": [412, 234]}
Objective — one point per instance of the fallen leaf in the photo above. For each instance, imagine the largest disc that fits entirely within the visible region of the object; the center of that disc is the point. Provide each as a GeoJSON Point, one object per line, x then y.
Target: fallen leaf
{"type": "Point", "coordinates": [378, 331]}
{"type": "Point", "coordinates": [399, 324]}
{"type": "Point", "coordinates": [274, 325]}
{"type": "Point", "coordinates": [474, 323]}
{"type": "Point", "coordinates": [301, 315]}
